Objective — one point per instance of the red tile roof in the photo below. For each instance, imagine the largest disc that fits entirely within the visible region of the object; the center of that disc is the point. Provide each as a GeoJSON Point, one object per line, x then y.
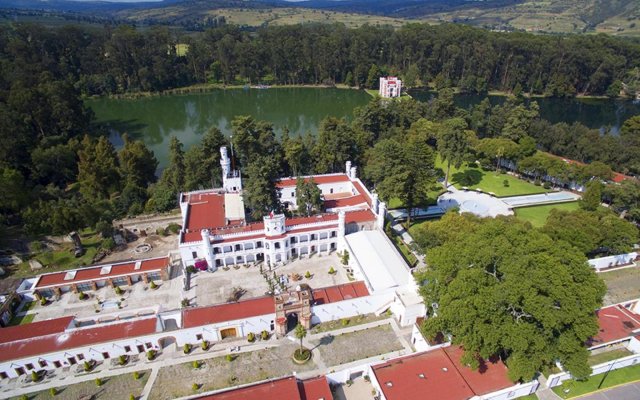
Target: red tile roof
{"type": "Point", "coordinates": [279, 389]}
{"type": "Point", "coordinates": [359, 216]}
{"type": "Point", "coordinates": [34, 329]}
{"type": "Point", "coordinates": [401, 379]}
{"type": "Point", "coordinates": [93, 273]}
{"type": "Point", "coordinates": [315, 389]}
{"type": "Point", "coordinates": [362, 191]}
{"type": "Point", "coordinates": [616, 323]}
{"type": "Point", "coordinates": [318, 179]}
{"type": "Point", "coordinates": [311, 220]}
{"type": "Point", "coordinates": [228, 312]}
{"type": "Point", "coordinates": [205, 211]}
{"type": "Point", "coordinates": [334, 294]}
{"type": "Point", "coordinates": [490, 377]}
{"type": "Point", "coordinates": [443, 377]}
{"type": "Point", "coordinates": [346, 202]}
{"type": "Point", "coordinates": [76, 338]}
{"type": "Point", "coordinates": [617, 176]}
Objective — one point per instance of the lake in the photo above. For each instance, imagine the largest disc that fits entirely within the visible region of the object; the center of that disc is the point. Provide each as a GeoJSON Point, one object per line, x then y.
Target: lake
{"type": "Point", "coordinates": [156, 119]}
{"type": "Point", "coordinates": [593, 113]}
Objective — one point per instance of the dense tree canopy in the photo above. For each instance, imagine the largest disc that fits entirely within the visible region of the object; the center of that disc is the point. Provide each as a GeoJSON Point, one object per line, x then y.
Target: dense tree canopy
{"type": "Point", "coordinates": [504, 288]}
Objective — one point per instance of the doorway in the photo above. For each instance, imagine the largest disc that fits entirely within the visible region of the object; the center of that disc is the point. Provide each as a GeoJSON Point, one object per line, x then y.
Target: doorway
{"type": "Point", "coordinates": [292, 321]}
{"type": "Point", "coordinates": [229, 332]}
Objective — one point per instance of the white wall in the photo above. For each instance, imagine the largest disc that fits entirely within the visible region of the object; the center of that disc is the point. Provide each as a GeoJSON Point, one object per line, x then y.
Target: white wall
{"type": "Point", "coordinates": [634, 345]}
{"type": "Point", "coordinates": [512, 392]}
{"type": "Point", "coordinates": [557, 379]}
{"type": "Point", "coordinates": [612, 261]}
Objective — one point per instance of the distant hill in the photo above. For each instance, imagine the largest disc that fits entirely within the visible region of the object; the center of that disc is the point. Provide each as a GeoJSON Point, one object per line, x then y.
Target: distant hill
{"type": "Point", "coordinates": [618, 17]}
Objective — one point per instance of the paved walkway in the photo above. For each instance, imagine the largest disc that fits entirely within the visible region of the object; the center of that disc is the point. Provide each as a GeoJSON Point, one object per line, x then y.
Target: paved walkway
{"type": "Point", "coordinates": [543, 392]}
{"type": "Point", "coordinates": [408, 240]}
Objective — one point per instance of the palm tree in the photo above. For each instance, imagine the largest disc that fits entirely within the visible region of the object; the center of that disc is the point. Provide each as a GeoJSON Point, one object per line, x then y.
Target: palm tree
{"type": "Point", "coordinates": [300, 333]}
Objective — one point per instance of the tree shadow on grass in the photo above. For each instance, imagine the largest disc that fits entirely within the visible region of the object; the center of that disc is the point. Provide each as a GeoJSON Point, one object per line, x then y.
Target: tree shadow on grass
{"type": "Point", "coordinates": [470, 177]}
{"type": "Point", "coordinates": [324, 341]}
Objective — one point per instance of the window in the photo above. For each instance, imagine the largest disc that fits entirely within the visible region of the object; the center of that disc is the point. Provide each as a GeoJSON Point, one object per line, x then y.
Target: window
{"type": "Point", "coordinates": [277, 245]}
{"type": "Point", "coordinates": [127, 348]}
{"type": "Point", "coordinates": [293, 240]}
{"type": "Point", "coordinates": [194, 254]}
{"type": "Point", "coordinates": [57, 364]}
{"type": "Point", "coordinates": [333, 234]}
{"type": "Point", "coordinates": [42, 363]}
{"type": "Point", "coordinates": [198, 337]}
{"type": "Point", "coordinates": [20, 371]}
{"type": "Point", "coordinates": [80, 357]}
{"type": "Point", "coordinates": [238, 247]}
{"type": "Point", "coordinates": [313, 236]}
{"type": "Point", "coordinates": [72, 360]}
{"type": "Point", "coordinates": [3, 375]}
{"type": "Point", "coordinates": [258, 245]}
{"type": "Point", "coordinates": [331, 190]}
{"type": "Point", "coordinates": [29, 366]}
{"type": "Point", "coordinates": [293, 194]}
{"type": "Point", "coordinates": [140, 348]}
{"type": "Point", "coordinates": [105, 355]}
{"type": "Point", "coordinates": [149, 345]}
{"type": "Point", "coordinates": [216, 250]}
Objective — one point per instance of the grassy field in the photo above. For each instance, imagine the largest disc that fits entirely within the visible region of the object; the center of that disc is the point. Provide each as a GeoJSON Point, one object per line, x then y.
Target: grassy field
{"type": "Point", "coordinates": [260, 16]}
{"type": "Point", "coordinates": [538, 215]}
{"type": "Point", "coordinates": [62, 258]}
{"type": "Point", "coordinates": [596, 382]}
{"type": "Point", "coordinates": [608, 356]}
{"type": "Point", "coordinates": [488, 181]}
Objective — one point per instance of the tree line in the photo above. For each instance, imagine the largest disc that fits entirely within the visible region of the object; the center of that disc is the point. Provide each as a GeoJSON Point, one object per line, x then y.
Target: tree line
{"type": "Point", "coordinates": [122, 59]}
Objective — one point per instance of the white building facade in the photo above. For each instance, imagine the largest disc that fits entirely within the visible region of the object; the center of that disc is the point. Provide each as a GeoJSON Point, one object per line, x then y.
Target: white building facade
{"type": "Point", "coordinates": [390, 87]}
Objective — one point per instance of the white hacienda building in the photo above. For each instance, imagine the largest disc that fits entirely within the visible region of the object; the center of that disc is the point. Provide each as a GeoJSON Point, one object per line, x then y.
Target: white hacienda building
{"type": "Point", "coordinates": [215, 231]}
{"type": "Point", "coordinates": [390, 86]}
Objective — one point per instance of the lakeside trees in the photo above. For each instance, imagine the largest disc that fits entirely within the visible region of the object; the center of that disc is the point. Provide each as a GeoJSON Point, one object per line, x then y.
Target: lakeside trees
{"type": "Point", "coordinates": [476, 279]}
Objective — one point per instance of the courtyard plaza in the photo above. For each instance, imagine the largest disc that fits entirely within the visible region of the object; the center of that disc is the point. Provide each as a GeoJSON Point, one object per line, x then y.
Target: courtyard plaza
{"type": "Point", "coordinates": [105, 304]}
{"type": "Point", "coordinates": [219, 286]}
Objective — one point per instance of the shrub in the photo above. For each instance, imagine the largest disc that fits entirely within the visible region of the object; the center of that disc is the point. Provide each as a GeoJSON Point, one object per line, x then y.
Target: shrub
{"type": "Point", "coordinates": [153, 285]}
{"type": "Point", "coordinates": [185, 303]}
{"type": "Point", "coordinates": [161, 232]}
{"type": "Point", "coordinates": [367, 378]}
{"type": "Point", "coordinates": [196, 364]}
{"type": "Point", "coordinates": [108, 244]}
{"type": "Point", "coordinates": [82, 295]}
{"type": "Point", "coordinates": [344, 322]}
{"type": "Point", "coordinates": [87, 366]}
{"type": "Point", "coordinates": [546, 185]}
{"type": "Point", "coordinates": [205, 345]}
{"type": "Point", "coordinates": [53, 392]}
{"type": "Point", "coordinates": [132, 397]}
{"type": "Point", "coordinates": [151, 354]}
{"type": "Point", "coordinates": [307, 275]}
{"type": "Point", "coordinates": [230, 357]}
{"type": "Point", "coordinates": [24, 397]}
{"type": "Point", "coordinates": [186, 348]}
{"type": "Point", "coordinates": [122, 360]}
{"type": "Point", "coordinates": [43, 301]}
{"type": "Point", "coordinates": [118, 290]}
{"type": "Point", "coordinates": [136, 375]}
{"type": "Point", "coordinates": [349, 382]}
{"type": "Point", "coordinates": [195, 387]}
{"type": "Point", "coordinates": [34, 376]}
{"type": "Point", "coordinates": [251, 337]}
{"type": "Point", "coordinates": [98, 382]}
{"type": "Point", "coordinates": [505, 183]}
{"type": "Point", "coordinates": [191, 269]}
{"type": "Point", "coordinates": [173, 228]}
{"type": "Point", "coordinates": [345, 257]}
{"type": "Point", "coordinates": [332, 271]}
{"type": "Point", "coordinates": [264, 335]}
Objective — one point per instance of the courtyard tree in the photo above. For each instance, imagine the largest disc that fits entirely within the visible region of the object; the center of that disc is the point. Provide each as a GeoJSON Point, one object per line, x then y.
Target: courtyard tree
{"type": "Point", "coordinates": [300, 333]}
{"type": "Point", "coordinates": [260, 193]}
{"type": "Point", "coordinates": [592, 197]}
{"type": "Point", "coordinates": [476, 279]}
{"type": "Point", "coordinates": [252, 139]}
{"type": "Point", "coordinates": [202, 161]}
{"type": "Point", "coordinates": [173, 177]}
{"type": "Point", "coordinates": [496, 149]}
{"type": "Point", "coordinates": [335, 145]}
{"type": "Point", "coordinates": [402, 170]}
{"type": "Point", "coordinates": [453, 144]}
{"type": "Point", "coordinates": [136, 162]}
{"type": "Point", "coordinates": [308, 197]}
{"type": "Point", "coordinates": [98, 173]}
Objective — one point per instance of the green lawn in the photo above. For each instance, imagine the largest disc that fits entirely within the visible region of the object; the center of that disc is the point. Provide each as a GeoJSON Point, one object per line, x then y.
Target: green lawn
{"type": "Point", "coordinates": [63, 258]}
{"type": "Point", "coordinates": [403, 249]}
{"type": "Point", "coordinates": [474, 177]}
{"type": "Point", "coordinates": [25, 319]}
{"type": "Point", "coordinates": [537, 215]}
{"type": "Point", "coordinates": [608, 356]}
{"type": "Point", "coordinates": [596, 382]}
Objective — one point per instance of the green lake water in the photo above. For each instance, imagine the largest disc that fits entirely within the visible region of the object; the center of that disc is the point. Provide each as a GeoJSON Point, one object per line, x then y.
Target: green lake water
{"type": "Point", "coordinates": [156, 119]}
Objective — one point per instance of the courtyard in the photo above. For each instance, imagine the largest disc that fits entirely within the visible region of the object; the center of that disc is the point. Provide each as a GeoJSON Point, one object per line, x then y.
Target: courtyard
{"type": "Point", "coordinates": [622, 284]}
{"type": "Point", "coordinates": [251, 281]}
{"type": "Point", "coordinates": [104, 303]}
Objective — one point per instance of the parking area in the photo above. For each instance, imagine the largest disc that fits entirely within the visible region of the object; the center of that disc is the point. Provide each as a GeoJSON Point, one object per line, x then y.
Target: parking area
{"type": "Point", "coordinates": [219, 287]}
{"type": "Point", "coordinates": [629, 391]}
